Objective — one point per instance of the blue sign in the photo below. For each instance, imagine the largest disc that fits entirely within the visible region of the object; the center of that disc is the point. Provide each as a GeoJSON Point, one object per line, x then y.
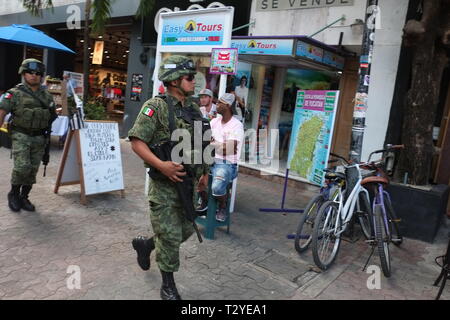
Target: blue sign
{"type": "Point", "coordinates": [306, 50]}
{"type": "Point", "coordinates": [309, 51]}
{"type": "Point", "coordinates": [334, 60]}
{"type": "Point", "coordinates": [281, 47]}
{"type": "Point", "coordinates": [193, 31]}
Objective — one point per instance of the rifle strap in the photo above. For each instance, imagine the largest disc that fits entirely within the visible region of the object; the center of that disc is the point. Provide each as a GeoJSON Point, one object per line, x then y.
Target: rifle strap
{"type": "Point", "coordinates": [171, 115]}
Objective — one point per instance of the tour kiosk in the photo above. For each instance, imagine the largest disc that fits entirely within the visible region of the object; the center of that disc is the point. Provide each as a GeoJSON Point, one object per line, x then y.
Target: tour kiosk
{"type": "Point", "coordinates": [287, 75]}
{"type": "Point", "coordinates": [195, 33]}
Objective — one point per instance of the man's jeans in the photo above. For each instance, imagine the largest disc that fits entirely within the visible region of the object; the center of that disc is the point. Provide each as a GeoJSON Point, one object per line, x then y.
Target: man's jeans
{"type": "Point", "coordinates": [223, 173]}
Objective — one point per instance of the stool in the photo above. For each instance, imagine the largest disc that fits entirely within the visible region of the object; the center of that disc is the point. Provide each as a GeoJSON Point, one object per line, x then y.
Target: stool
{"type": "Point", "coordinates": [209, 222]}
{"type": "Point", "coordinates": [445, 273]}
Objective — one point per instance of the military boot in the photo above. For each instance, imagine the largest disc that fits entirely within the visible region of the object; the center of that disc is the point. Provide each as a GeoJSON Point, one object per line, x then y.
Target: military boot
{"type": "Point", "coordinates": [14, 199]}
{"type": "Point", "coordinates": [26, 204]}
{"type": "Point", "coordinates": [143, 247]}
{"type": "Point", "coordinates": [168, 289]}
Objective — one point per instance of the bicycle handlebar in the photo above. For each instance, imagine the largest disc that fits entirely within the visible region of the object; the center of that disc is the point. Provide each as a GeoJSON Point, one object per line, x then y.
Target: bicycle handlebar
{"type": "Point", "coordinates": [339, 157]}
{"type": "Point", "coordinates": [389, 147]}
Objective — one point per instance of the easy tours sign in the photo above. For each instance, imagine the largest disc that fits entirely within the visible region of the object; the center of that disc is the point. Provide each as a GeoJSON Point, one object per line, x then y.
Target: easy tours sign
{"type": "Point", "coordinates": [196, 30]}
{"type": "Point", "coordinates": [264, 46]}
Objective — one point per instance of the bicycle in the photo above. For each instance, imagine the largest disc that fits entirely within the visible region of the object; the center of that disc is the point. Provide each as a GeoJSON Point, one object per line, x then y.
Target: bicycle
{"type": "Point", "coordinates": [335, 215]}
{"type": "Point", "coordinates": [303, 236]}
{"type": "Point", "coordinates": [384, 220]}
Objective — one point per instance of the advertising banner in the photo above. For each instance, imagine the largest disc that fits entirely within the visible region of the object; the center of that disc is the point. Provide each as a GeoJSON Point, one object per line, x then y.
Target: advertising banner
{"type": "Point", "coordinates": [98, 52]}
{"type": "Point", "coordinates": [264, 46]}
{"type": "Point", "coordinates": [309, 51]}
{"type": "Point", "coordinates": [75, 80]}
{"type": "Point", "coordinates": [199, 31]}
{"type": "Point", "coordinates": [223, 61]}
{"type": "Point", "coordinates": [312, 131]}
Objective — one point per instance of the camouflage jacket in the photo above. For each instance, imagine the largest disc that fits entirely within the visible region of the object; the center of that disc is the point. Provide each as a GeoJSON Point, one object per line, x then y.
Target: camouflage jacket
{"type": "Point", "coordinates": [152, 127]}
{"type": "Point", "coordinates": [27, 111]}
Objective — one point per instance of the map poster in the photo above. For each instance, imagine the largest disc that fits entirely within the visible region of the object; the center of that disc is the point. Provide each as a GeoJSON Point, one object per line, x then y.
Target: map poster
{"type": "Point", "coordinates": [312, 131]}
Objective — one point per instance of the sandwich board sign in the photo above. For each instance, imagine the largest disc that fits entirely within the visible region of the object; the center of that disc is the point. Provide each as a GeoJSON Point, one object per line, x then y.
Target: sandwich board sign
{"type": "Point", "coordinates": [92, 158]}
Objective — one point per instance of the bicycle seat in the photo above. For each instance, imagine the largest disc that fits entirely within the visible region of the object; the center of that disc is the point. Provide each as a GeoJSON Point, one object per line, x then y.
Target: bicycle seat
{"type": "Point", "coordinates": [375, 179]}
{"type": "Point", "coordinates": [329, 175]}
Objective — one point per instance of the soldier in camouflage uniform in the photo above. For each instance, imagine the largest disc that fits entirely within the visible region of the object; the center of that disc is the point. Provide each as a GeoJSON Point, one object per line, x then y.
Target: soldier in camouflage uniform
{"type": "Point", "coordinates": [30, 119]}
{"type": "Point", "coordinates": [170, 226]}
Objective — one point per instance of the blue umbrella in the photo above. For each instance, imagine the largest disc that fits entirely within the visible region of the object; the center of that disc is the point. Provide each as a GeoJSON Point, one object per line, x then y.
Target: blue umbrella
{"type": "Point", "coordinates": [26, 35]}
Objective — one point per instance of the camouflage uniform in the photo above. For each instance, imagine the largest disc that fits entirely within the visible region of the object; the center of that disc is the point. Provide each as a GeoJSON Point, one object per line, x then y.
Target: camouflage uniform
{"type": "Point", "coordinates": [170, 226]}
{"type": "Point", "coordinates": [30, 118]}
{"type": "Point", "coordinates": [27, 149]}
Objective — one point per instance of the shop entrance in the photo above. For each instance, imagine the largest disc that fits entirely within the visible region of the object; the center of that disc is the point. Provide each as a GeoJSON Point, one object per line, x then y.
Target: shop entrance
{"type": "Point", "coordinates": [278, 67]}
{"type": "Point", "coordinates": [108, 72]}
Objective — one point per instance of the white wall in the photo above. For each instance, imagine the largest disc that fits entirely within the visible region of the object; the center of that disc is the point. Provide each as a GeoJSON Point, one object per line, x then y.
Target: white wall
{"type": "Point", "coordinates": [15, 6]}
{"type": "Point", "coordinates": [309, 21]}
{"type": "Point", "coordinates": [383, 73]}
{"type": "Point", "coordinates": [385, 58]}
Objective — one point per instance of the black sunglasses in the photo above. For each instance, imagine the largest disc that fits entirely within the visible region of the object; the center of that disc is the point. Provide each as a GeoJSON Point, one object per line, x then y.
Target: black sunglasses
{"type": "Point", "coordinates": [34, 72]}
{"type": "Point", "coordinates": [189, 77]}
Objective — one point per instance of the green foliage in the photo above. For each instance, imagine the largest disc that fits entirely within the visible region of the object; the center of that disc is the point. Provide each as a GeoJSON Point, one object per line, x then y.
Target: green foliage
{"type": "Point", "coordinates": [34, 6]}
{"type": "Point", "coordinates": [145, 8]}
{"type": "Point", "coordinates": [94, 110]}
{"type": "Point", "coordinates": [102, 12]}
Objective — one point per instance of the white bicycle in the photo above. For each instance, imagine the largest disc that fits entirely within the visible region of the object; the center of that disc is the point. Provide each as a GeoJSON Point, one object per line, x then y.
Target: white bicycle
{"type": "Point", "coordinates": [335, 216]}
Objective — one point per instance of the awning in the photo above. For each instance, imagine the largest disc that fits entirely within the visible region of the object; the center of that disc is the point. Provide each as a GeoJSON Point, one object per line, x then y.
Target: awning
{"type": "Point", "coordinates": [288, 52]}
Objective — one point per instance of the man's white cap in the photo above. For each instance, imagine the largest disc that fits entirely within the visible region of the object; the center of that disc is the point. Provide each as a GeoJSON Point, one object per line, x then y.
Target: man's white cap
{"type": "Point", "coordinates": [206, 92]}
{"type": "Point", "coordinates": [227, 98]}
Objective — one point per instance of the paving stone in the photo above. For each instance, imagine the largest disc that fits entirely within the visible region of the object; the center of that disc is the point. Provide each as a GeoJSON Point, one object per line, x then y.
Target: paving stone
{"type": "Point", "coordinates": [254, 261]}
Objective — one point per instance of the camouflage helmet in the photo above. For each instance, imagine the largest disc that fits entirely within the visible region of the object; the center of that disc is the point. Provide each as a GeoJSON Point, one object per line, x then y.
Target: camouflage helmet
{"type": "Point", "coordinates": [32, 65]}
{"type": "Point", "coordinates": [174, 67]}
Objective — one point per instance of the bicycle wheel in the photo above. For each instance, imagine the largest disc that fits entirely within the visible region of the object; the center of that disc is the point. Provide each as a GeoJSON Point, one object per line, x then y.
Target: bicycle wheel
{"type": "Point", "coordinates": [325, 243]}
{"type": "Point", "coordinates": [364, 213]}
{"type": "Point", "coordinates": [396, 236]}
{"type": "Point", "coordinates": [382, 240]}
{"type": "Point", "coordinates": [303, 236]}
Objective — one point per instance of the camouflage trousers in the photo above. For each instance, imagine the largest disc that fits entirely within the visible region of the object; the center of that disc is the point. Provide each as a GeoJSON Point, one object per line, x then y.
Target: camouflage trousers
{"type": "Point", "coordinates": [171, 229]}
{"type": "Point", "coordinates": [27, 154]}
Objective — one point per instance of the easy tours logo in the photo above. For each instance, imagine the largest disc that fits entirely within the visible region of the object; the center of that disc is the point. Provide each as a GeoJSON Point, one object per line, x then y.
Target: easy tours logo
{"type": "Point", "coordinates": [253, 44]}
{"type": "Point", "coordinates": [190, 26]}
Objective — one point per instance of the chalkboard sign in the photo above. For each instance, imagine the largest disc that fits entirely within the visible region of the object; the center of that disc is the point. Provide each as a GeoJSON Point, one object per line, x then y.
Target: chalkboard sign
{"type": "Point", "coordinates": [92, 158]}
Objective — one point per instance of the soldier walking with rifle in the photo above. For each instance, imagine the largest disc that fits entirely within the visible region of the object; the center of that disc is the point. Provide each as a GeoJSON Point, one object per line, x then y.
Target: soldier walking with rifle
{"type": "Point", "coordinates": [32, 109]}
{"type": "Point", "coordinates": [172, 184]}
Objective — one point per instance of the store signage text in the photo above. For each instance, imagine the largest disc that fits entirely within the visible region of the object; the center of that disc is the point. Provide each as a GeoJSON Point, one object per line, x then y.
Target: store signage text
{"type": "Point", "coordinates": [192, 26]}
{"type": "Point", "coordinates": [201, 30]}
{"type": "Point", "coordinates": [273, 5]}
{"type": "Point", "coordinates": [263, 46]}
{"type": "Point", "coordinates": [176, 9]}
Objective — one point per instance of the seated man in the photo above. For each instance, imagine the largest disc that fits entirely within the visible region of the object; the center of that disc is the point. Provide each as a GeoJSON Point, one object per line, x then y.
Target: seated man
{"type": "Point", "coordinates": [227, 137]}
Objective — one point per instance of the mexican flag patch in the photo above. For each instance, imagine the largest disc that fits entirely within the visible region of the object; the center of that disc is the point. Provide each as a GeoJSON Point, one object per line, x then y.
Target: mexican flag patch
{"type": "Point", "coordinates": [8, 95]}
{"type": "Point", "coordinates": [148, 112]}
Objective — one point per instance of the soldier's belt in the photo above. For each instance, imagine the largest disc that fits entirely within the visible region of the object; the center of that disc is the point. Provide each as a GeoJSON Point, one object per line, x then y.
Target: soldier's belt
{"type": "Point", "coordinates": [29, 132]}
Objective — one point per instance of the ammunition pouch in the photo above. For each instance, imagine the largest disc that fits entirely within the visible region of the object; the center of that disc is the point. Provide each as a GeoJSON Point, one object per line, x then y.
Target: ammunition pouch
{"type": "Point", "coordinates": [35, 118]}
